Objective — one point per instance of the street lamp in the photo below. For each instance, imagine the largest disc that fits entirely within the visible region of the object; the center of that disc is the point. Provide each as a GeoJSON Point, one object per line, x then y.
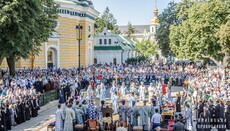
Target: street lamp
{"type": "Point", "coordinates": [79, 29]}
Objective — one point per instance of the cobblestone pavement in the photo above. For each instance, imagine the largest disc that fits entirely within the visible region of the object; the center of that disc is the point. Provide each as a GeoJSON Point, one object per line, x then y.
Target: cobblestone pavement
{"type": "Point", "coordinates": [47, 115]}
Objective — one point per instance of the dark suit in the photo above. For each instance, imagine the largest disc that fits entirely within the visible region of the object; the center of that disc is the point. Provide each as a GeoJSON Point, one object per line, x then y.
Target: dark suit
{"type": "Point", "coordinates": [217, 111]}
{"type": "Point", "coordinates": [200, 109]}
{"type": "Point", "coordinates": [203, 122]}
{"type": "Point", "coordinates": [227, 116]}
{"type": "Point", "coordinates": [178, 126]}
{"type": "Point", "coordinates": [207, 119]}
{"type": "Point", "coordinates": [211, 109]}
{"type": "Point", "coordinates": [222, 110]}
{"type": "Point", "coordinates": [221, 117]}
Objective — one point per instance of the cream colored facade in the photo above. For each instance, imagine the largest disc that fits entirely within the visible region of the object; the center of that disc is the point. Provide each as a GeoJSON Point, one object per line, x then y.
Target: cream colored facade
{"type": "Point", "coordinates": [61, 50]}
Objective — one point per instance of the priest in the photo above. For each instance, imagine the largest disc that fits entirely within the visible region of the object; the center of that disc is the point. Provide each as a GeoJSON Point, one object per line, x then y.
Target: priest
{"type": "Point", "coordinates": [144, 116]}
{"type": "Point", "coordinates": [133, 114]}
{"type": "Point", "coordinates": [123, 111]}
{"type": "Point", "coordinates": [69, 118]}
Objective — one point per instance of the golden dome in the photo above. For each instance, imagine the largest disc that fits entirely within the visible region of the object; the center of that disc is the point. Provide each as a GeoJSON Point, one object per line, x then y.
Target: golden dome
{"type": "Point", "coordinates": [155, 19]}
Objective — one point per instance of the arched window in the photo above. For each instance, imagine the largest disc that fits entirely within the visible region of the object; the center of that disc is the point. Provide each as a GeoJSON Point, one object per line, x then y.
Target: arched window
{"type": "Point", "coordinates": [95, 60]}
{"type": "Point", "coordinates": [114, 61]}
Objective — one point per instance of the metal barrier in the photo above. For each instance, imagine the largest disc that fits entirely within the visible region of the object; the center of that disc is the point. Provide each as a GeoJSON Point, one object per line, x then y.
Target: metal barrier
{"type": "Point", "coordinates": [48, 96]}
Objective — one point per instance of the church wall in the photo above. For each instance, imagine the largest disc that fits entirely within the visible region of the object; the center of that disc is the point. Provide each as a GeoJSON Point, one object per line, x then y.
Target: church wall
{"type": "Point", "coordinates": [67, 44]}
{"type": "Point", "coordinates": [125, 55]}
{"type": "Point", "coordinates": [4, 64]}
{"type": "Point", "coordinates": [39, 61]}
{"type": "Point", "coordinates": [107, 56]}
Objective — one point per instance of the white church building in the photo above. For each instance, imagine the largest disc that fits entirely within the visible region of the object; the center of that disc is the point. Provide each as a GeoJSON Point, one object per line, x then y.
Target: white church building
{"type": "Point", "coordinates": [112, 48]}
{"type": "Point", "coordinates": [143, 31]}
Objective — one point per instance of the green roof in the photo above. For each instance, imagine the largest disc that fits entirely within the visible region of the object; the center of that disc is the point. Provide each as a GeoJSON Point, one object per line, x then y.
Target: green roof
{"type": "Point", "coordinates": [72, 2]}
{"type": "Point", "coordinates": [126, 41]}
{"type": "Point", "coordinates": [107, 48]}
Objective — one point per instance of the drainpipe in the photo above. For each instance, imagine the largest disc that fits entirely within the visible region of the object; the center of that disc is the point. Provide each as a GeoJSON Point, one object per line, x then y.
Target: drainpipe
{"type": "Point", "coordinates": [122, 56]}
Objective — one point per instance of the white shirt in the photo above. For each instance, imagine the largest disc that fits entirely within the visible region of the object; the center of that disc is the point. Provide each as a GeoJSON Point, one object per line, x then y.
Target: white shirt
{"type": "Point", "coordinates": [121, 129]}
{"type": "Point", "coordinates": [156, 118]}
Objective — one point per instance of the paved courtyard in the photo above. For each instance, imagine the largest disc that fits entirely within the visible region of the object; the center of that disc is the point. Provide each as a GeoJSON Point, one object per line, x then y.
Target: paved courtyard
{"type": "Point", "coordinates": [46, 114]}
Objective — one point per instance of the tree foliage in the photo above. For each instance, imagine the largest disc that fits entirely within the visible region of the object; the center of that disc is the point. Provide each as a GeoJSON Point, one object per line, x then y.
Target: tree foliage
{"type": "Point", "coordinates": [196, 36]}
{"type": "Point", "coordinates": [224, 40]}
{"type": "Point", "coordinates": [146, 47]}
{"type": "Point", "coordinates": [24, 25]}
{"type": "Point", "coordinates": [167, 18]}
{"type": "Point", "coordinates": [130, 31]}
{"type": "Point", "coordinates": [106, 20]}
{"type": "Point", "coordinates": [135, 59]}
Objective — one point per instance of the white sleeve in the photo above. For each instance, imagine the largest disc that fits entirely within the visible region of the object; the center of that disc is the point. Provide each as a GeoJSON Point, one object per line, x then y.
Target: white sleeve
{"type": "Point", "coordinates": [152, 119]}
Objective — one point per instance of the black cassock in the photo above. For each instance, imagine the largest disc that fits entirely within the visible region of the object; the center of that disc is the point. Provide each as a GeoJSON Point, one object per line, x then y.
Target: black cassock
{"type": "Point", "coordinates": [67, 92]}
{"type": "Point", "coordinates": [23, 116]}
{"type": "Point", "coordinates": [27, 109]}
{"type": "Point", "coordinates": [8, 119]}
{"type": "Point", "coordinates": [178, 104]}
{"type": "Point", "coordinates": [18, 116]}
{"type": "Point", "coordinates": [3, 121]}
{"type": "Point", "coordinates": [34, 108]}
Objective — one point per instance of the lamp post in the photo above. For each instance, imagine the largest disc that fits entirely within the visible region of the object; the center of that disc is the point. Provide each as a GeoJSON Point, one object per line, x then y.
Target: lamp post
{"type": "Point", "coordinates": [79, 29]}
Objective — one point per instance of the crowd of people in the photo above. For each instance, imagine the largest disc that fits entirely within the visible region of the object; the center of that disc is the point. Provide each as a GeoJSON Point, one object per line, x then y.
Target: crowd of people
{"type": "Point", "coordinates": [136, 83]}
{"type": "Point", "coordinates": [83, 90]}
{"type": "Point", "coordinates": [18, 99]}
{"type": "Point", "coordinates": [209, 95]}
{"type": "Point", "coordinates": [127, 75]}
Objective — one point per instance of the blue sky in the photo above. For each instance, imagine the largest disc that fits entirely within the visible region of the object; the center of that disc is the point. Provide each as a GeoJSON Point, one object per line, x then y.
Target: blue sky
{"type": "Point", "coordinates": [138, 12]}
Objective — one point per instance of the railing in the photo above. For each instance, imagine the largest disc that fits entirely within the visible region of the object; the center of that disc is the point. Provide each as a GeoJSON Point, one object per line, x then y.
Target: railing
{"type": "Point", "coordinates": [48, 96]}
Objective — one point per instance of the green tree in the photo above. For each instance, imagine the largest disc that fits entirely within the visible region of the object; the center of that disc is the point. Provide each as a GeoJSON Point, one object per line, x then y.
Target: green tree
{"type": "Point", "coordinates": [224, 40]}
{"type": "Point", "coordinates": [24, 25]}
{"type": "Point", "coordinates": [146, 47]}
{"type": "Point", "coordinates": [196, 36]}
{"type": "Point", "coordinates": [106, 20]}
{"type": "Point", "coordinates": [167, 17]}
{"type": "Point", "coordinates": [130, 31]}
